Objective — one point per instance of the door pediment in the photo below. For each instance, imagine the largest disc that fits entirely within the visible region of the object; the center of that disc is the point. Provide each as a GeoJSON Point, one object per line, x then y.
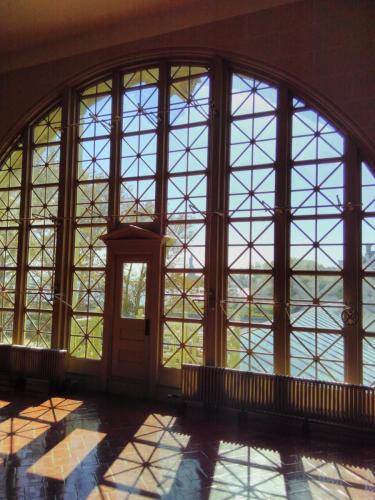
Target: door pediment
{"type": "Point", "coordinates": [131, 232]}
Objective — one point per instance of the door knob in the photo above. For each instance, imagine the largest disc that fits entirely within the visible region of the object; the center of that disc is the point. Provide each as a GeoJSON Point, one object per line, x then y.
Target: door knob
{"type": "Point", "coordinates": [147, 327]}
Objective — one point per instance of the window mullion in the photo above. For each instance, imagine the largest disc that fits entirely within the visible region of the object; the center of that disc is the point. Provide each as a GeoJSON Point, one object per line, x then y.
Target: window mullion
{"type": "Point", "coordinates": [352, 264]}
{"type": "Point", "coordinates": [64, 239]}
{"type": "Point", "coordinates": [281, 294]}
{"type": "Point", "coordinates": [215, 337]}
{"type": "Point", "coordinates": [162, 148]}
{"type": "Point", "coordinates": [19, 314]}
{"type": "Point", "coordinates": [114, 177]}
{"type": "Point", "coordinates": [161, 190]}
{"type": "Point", "coordinates": [114, 183]}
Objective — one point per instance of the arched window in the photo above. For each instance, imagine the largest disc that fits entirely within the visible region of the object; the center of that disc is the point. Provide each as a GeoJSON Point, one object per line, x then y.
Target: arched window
{"type": "Point", "coordinates": [267, 209]}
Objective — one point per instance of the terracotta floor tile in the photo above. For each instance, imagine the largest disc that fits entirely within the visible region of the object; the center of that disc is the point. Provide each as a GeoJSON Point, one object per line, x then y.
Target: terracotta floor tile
{"type": "Point", "coordinates": [101, 447]}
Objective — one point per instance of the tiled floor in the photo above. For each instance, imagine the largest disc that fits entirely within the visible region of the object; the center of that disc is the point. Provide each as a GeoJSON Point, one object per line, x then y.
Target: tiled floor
{"type": "Point", "coordinates": [107, 447]}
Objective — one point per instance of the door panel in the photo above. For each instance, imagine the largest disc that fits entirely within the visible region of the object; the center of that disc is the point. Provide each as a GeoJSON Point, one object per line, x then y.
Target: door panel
{"type": "Point", "coordinates": [130, 355]}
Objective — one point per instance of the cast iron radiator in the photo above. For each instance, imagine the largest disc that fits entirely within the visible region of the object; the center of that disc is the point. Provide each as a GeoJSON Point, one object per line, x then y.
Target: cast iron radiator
{"type": "Point", "coordinates": [221, 387]}
{"type": "Point", "coordinates": [34, 362]}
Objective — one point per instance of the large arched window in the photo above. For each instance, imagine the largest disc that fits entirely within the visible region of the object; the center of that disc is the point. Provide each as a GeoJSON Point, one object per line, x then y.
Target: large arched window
{"type": "Point", "coordinates": [266, 206]}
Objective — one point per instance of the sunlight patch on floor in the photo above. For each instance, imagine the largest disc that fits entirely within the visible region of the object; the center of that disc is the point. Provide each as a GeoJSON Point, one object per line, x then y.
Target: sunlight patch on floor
{"type": "Point", "coordinates": [68, 454]}
{"type": "Point", "coordinates": [15, 433]}
{"type": "Point", "coordinates": [53, 410]}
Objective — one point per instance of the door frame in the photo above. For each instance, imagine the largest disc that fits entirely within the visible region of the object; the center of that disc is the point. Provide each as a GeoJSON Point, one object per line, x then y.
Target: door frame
{"type": "Point", "coordinates": [134, 242]}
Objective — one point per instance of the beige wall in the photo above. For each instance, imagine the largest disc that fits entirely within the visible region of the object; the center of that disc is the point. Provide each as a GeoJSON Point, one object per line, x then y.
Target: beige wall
{"type": "Point", "coordinates": [325, 48]}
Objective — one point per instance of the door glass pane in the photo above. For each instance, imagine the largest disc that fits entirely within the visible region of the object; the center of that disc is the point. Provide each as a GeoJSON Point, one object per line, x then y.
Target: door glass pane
{"type": "Point", "coordinates": [133, 290]}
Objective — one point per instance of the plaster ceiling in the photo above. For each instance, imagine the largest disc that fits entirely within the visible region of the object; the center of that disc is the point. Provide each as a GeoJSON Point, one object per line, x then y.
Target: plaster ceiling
{"type": "Point", "coordinates": [26, 23]}
{"type": "Point", "coordinates": [34, 31]}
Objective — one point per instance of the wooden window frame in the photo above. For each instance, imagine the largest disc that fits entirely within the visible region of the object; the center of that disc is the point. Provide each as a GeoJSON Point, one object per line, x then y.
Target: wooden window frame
{"type": "Point", "coordinates": [214, 340]}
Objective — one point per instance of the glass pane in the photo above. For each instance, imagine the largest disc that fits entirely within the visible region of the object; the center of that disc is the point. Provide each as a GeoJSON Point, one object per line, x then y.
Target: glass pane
{"type": "Point", "coordinates": [86, 339]}
{"type": "Point", "coordinates": [368, 276]}
{"type": "Point", "coordinates": [42, 230]}
{"type": "Point", "coordinates": [368, 347]}
{"type": "Point", "coordinates": [185, 257]}
{"type": "Point", "coordinates": [141, 78]}
{"type": "Point", "coordinates": [49, 129]}
{"type": "Point", "coordinates": [91, 212]}
{"type": "Point", "coordinates": [314, 138]}
{"type": "Point", "coordinates": [317, 188]}
{"type": "Point", "coordinates": [99, 88]}
{"type": "Point", "coordinates": [250, 226]}
{"type": "Point", "coordinates": [134, 290]}
{"type": "Point", "coordinates": [250, 349]}
{"type": "Point", "coordinates": [317, 356]}
{"type": "Point", "coordinates": [316, 248]}
{"type": "Point", "coordinates": [10, 200]}
{"type": "Point", "coordinates": [95, 116]}
{"type": "Point", "coordinates": [140, 122]}
{"type": "Point", "coordinates": [183, 343]}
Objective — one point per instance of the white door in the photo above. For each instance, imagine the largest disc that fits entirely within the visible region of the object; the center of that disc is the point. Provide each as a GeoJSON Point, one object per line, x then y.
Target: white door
{"type": "Point", "coordinates": [131, 335]}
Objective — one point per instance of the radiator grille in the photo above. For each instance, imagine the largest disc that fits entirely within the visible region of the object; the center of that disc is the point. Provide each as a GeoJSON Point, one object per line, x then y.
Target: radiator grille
{"type": "Point", "coordinates": [351, 404]}
{"type": "Point", "coordinates": [25, 361]}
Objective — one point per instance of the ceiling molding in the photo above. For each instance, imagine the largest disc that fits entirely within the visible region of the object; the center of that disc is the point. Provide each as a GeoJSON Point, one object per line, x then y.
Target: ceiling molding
{"type": "Point", "coordinates": [36, 32]}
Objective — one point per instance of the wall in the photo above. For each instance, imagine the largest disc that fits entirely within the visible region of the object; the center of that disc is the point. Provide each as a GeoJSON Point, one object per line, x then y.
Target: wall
{"type": "Point", "coordinates": [325, 48]}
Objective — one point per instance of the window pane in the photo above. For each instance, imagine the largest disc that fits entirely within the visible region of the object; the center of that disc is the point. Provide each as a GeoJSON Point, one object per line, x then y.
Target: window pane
{"type": "Point", "coordinates": [368, 270]}
{"type": "Point", "coordinates": [140, 123]}
{"type": "Point", "coordinates": [91, 212]}
{"type": "Point", "coordinates": [185, 255]}
{"type": "Point", "coordinates": [317, 356]}
{"type": "Point", "coordinates": [133, 303]}
{"type": "Point", "coordinates": [10, 200]}
{"type": "Point", "coordinates": [316, 248]}
{"type": "Point", "coordinates": [314, 138]}
{"type": "Point", "coordinates": [41, 260]}
{"type": "Point", "coordinates": [250, 227]}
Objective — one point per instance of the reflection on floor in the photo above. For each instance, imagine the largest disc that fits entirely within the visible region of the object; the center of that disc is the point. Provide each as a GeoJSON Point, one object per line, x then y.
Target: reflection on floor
{"type": "Point", "coordinates": [106, 447]}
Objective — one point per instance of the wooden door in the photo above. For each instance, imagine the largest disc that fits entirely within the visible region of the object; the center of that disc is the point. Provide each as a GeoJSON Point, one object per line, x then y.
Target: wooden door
{"type": "Point", "coordinates": [131, 322]}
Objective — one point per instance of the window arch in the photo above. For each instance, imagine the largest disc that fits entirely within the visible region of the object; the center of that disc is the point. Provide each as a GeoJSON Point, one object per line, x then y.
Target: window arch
{"type": "Point", "coordinates": [268, 212]}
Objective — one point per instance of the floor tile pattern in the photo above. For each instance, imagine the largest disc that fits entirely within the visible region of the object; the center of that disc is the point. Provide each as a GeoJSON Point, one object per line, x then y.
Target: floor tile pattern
{"type": "Point", "coordinates": [107, 447]}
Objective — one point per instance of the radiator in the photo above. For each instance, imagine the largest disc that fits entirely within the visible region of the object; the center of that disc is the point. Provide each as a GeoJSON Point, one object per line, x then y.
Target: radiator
{"type": "Point", "coordinates": [221, 387]}
{"type": "Point", "coordinates": [48, 364]}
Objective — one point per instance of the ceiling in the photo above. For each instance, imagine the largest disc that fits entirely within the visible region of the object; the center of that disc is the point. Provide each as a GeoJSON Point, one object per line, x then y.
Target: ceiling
{"type": "Point", "coordinates": [35, 31]}
{"type": "Point", "coordinates": [26, 23]}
